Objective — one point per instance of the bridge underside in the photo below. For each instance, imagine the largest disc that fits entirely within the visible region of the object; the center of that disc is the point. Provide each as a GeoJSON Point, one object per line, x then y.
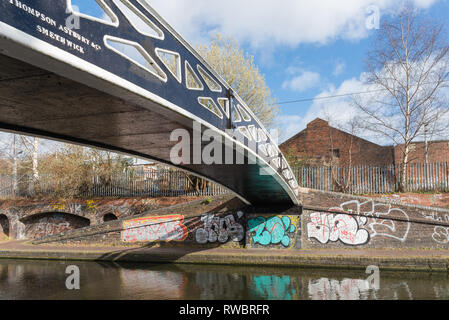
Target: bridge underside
{"type": "Point", "coordinates": [41, 103]}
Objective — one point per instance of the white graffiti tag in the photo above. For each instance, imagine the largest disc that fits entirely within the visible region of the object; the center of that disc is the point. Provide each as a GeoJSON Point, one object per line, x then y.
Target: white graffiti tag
{"type": "Point", "coordinates": [378, 215]}
{"type": "Point", "coordinates": [220, 229]}
{"type": "Point", "coordinates": [327, 227]}
{"type": "Point", "coordinates": [440, 233]}
{"type": "Point", "coordinates": [377, 219]}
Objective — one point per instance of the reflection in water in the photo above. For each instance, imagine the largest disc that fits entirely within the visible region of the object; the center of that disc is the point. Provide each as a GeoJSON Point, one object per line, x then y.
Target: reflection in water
{"type": "Point", "coordinates": [223, 286]}
{"type": "Point", "coordinates": [46, 280]}
{"type": "Point", "coordinates": [165, 285]}
{"type": "Point", "coordinates": [273, 287]}
{"type": "Point", "coordinates": [347, 289]}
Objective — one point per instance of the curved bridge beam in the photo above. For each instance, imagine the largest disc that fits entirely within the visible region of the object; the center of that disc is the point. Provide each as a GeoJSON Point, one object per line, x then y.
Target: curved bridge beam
{"type": "Point", "coordinates": [125, 84]}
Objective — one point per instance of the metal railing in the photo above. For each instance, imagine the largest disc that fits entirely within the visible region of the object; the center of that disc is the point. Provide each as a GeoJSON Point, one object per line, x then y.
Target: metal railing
{"type": "Point", "coordinates": [132, 183]}
{"type": "Point", "coordinates": [419, 177]}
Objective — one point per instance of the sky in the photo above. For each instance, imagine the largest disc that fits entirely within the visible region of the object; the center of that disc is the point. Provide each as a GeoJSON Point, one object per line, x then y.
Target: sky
{"type": "Point", "coordinates": [306, 49]}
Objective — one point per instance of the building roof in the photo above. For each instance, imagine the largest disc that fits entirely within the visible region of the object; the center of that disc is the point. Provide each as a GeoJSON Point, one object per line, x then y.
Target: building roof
{"type": "Point", "coordinates": [324, 122]}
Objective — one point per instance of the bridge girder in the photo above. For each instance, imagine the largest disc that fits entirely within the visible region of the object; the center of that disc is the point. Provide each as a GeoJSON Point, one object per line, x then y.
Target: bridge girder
{"type": "Point", "coordinates": [118, 86]}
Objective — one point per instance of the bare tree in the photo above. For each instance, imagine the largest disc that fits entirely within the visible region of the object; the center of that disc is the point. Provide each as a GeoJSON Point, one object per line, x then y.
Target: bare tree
{"type": "Point", "coordinates": [351, 127]}
{"type": "Point", "coordinates": [11, 151]}
{"type": "Point", "coordinates": [31, 145]}
{"type": "Point", "coordinates": [408, 70]}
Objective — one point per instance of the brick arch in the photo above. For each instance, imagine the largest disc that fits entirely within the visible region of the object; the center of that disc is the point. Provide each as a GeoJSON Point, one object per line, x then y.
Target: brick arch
{"type": "Point", "coordinates": [109, 217]}
{"type": "Point", "coordinates": [4, 226]}
{"type": "Point", "coordinates": [26, 212]}
{"type": "Point", "coordinates": [50, 223]}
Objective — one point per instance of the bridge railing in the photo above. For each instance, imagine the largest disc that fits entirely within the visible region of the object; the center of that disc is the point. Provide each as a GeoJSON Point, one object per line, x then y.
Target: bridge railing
{"type": "Point", "coordinates": [132, 183]}
{"type": "Point", "coordinates": [420, 177]}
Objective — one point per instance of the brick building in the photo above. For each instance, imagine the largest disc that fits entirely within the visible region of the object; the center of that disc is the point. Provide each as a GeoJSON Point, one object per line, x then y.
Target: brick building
{"type": "Point", "coordinates": [322, 145]}
{"type": "Point", "coordinates": [438, 152]}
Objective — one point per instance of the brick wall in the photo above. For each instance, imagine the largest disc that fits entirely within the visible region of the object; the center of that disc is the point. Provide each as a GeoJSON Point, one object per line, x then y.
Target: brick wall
{"type": "Point", "coordinates": [45, 224]}
{"type": "Point", "coordinates": [197, 223]}
{"type": "Point", "coordinates": [322, 144]}
{"type": "Point", "coordinates": [420, 199]}
{"type": "Point", "coordinates": [438, 152]}
{"type": "Point", "coordinates": [21, 218]}
{"type": "Point", "coordinates": [228, 223]}
{"type": "Point", "coordinates": [374, 223]}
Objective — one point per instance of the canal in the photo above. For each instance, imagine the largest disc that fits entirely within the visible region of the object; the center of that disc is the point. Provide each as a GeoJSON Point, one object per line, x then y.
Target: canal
{"type": "Point", "coordinates": [47, 280]}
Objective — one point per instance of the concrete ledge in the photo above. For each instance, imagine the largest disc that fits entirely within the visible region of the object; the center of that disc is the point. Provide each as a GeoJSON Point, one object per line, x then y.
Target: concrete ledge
{"type": "Point", "coordinates": [392, 260]}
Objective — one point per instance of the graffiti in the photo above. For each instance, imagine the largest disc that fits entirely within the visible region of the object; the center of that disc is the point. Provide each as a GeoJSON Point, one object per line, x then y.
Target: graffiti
{"type": "Point", "coordinates": [273, 287]}
{"type": "Point", "coordinates": [167, 228]}
{"type": "Point", "coordinates": [440, 234]}
{"type": "Point", "coordinates": [59, 206]}
{"type": "Point", "coordinates": [378, 214]}
{"type": "Point", "coordinates": [91, 209]}
{"type": "Point", "coordinates": [274, 230]}
{"type": "Point", "coordinates": [50, 224]}
{"type": "Point", "coordinates": [46, 226]}
{"type": "Point", "coordinates": [327, 227]}
{"type": "Point", "coordinates": [91, 206]}
{"type": "Point", "coordinates": [374, 218]}
{"type": "Point", "coordinates": [220, 229]}
{"type": "Point", "coordinates": [73, 208]}
{"type": "Point", "coordinates": [347, 289]}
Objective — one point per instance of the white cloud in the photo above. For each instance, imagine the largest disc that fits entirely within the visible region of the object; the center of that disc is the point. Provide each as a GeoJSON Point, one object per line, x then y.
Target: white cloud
{"type": "Point", "coordinates": [339, 68]}
{"type": "Point", "coordinates": [338, 111]}
{"type": "Point", "coordinates": [268, 22]}
{"type": "Point", "coordinates": [289, 125]}
{"type": "Point", "coordinates": [335, 105]}
{"type": "Point", "coordinates": [305, 81]}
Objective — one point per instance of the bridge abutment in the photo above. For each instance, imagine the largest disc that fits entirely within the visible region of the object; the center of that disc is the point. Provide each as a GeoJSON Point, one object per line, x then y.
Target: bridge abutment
{"type": "Point", "coordinates": [325, 221]}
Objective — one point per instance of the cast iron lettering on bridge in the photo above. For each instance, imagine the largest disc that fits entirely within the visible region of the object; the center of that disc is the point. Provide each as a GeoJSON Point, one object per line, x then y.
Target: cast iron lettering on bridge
{"type": "Point", "coordinates": [125, 85]}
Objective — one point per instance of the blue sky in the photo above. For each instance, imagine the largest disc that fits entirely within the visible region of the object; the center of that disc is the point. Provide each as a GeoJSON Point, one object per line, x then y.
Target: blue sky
{"type": "Point", "coordinates": [305, 49]}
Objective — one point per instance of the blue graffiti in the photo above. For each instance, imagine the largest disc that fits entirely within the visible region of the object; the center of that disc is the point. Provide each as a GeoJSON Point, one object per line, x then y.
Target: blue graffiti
{"type": "Point", "coordinates": [273, 287]}
{"type": "Point", "coordinates": [274, 230]}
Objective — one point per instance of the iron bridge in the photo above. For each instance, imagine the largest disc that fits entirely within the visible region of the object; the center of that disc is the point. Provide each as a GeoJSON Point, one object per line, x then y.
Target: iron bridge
{"type": "Point", "coordinates": [124, 83]}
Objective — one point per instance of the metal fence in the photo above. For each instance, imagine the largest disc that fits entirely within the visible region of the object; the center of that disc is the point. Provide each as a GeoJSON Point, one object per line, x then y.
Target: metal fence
{"type": "Point", "coordinates": [375, 179]}
{"type": "Point", "coordinates": [133, 183]}
{"type": "Point", "coordinates": [170, 183]}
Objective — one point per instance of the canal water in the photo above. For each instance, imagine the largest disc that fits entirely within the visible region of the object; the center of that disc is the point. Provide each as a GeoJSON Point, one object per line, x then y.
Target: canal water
{"type": "Point", "coordinates": [47, 280]}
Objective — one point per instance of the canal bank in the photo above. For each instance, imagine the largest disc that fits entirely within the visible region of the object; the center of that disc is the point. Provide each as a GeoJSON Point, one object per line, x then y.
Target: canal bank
{"type": "Point", "coordinates": [330, 230]}
{"type": "Point", "coordinates": [358, 259]}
